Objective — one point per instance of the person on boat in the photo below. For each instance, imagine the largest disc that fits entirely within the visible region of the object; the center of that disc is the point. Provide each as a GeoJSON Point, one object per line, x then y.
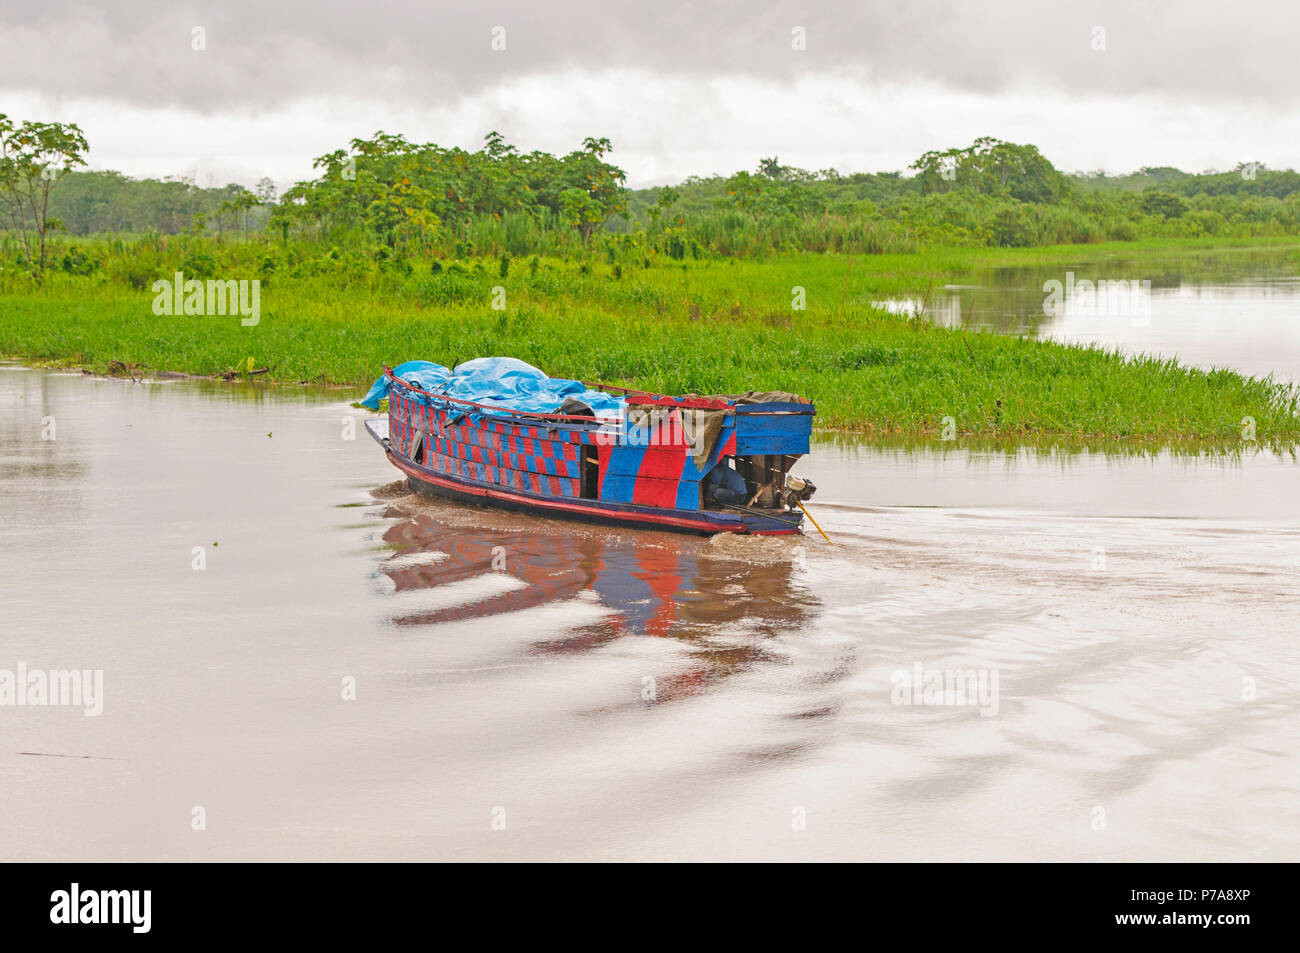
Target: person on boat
{"type": "Point", "coordinates": [723, 486]}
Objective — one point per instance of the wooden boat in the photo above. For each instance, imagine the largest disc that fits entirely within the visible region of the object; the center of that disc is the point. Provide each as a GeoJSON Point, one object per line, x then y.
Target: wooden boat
{"type": "Point", "coordinates": [647, 469]}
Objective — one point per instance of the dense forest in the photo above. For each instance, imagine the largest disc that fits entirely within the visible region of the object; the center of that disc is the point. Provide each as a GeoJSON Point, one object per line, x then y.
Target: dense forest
{"type": "Point", "coordinates": [387, 192]}
{"type": "Point", "coordinates": [90, 203]}
{"type": "Point", "coordinates": [389, 200]}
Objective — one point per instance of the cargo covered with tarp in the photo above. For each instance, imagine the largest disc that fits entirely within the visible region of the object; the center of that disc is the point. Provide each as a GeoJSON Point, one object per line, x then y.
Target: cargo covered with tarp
{"type": "Point", "coordinates": [502, 382]}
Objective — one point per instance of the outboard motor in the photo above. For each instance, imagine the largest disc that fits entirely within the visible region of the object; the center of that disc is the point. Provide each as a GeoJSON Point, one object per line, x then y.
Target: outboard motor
{"type": "Point", "coordinates": [797, 490]}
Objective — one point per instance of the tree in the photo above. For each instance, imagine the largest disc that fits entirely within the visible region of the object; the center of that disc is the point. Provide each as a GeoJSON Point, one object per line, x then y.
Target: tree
{"type": "Point", "coordinates": [668, 197]}
{"type": "Point", "coordinates": [243, 201]}
{"type": "Point", "coordinates": [1164, 204]}
{"type": "Point", "coordinates": [265, 190]}
{"type": "Point", "coordinates": [496, 147]}
{"type": "Point", "coordinates": [596, 147]}
{"type": "Point", "coordinates": [237, 206]}
{"type": "Point", "coordinates": [402, 213]}
{"type": "Point", "coordinates": [32, 157]}
{"type": "Point", "coordinates": [771, 168]}
{"type": "Point", "coordinates": [582, 212]}
{"type": "Point", "coordinates": [991, 167]}
{"type": "Point", "coordinates": [1005, 168]}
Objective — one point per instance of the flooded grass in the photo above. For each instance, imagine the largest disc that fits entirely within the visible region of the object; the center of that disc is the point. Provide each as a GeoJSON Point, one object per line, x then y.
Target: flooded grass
{"type": "Point", "coordinates": [709, 326]}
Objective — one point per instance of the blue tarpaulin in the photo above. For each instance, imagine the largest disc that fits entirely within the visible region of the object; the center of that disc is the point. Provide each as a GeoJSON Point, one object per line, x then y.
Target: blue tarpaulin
{"type": "Point", "coordinates": [497, 382]}
{"type": "Point", "coordinates": [423, 374]}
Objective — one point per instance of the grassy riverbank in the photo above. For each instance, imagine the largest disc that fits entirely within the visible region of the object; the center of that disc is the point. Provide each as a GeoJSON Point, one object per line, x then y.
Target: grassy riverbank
{"type": "Point", "coordinates": [710, 325]}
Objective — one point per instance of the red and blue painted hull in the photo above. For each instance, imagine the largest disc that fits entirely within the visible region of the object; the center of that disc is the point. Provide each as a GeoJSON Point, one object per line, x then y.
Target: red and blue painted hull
{"type": "Point", "coordinates": [442, 485]}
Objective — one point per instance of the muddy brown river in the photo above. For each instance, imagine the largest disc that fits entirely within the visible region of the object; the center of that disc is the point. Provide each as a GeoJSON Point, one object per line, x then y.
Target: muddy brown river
{"type": "Point", "coordinates": [1001, 655]}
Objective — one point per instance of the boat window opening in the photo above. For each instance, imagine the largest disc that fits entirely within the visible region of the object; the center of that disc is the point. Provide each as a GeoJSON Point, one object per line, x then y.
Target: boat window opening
{"type": "Point", "coordinates": [417, 444]}
{"type": "Point", "coordinates": [590, 482]}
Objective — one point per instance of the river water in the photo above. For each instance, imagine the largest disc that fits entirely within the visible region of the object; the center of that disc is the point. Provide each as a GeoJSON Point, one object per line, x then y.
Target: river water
{"type": "Point", "coordinates": [524, 688]}
{"type": "Point", "coordinates": [1237, 308]}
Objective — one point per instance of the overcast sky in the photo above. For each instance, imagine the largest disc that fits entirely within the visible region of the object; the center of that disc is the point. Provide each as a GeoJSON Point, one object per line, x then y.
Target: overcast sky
{"type": "Point", "coordinates": [680, 88]}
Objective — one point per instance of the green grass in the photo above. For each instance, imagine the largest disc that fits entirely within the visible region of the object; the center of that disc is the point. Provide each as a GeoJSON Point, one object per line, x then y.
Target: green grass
{"type": "Point", "coordinates": [709, 326]}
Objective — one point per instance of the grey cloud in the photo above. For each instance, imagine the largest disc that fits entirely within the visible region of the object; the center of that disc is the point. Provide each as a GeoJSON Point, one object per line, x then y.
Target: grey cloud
{"type": "Point", "coordinates": [261, 54]}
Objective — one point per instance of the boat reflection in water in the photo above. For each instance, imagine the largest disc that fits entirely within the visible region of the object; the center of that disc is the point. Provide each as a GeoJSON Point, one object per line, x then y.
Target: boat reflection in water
{"type": "Point", "coordinates": [721, 597]}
